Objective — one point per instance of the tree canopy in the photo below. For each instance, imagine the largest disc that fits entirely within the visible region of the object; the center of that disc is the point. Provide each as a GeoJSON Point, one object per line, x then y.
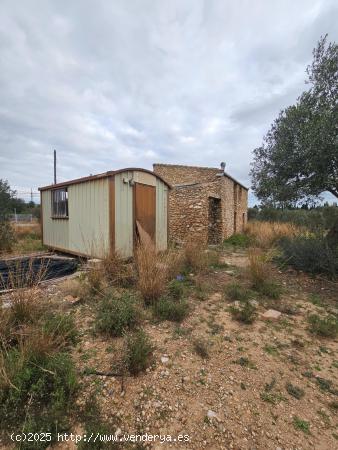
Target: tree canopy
{"type": "Point", "coordinates": [298, 159]}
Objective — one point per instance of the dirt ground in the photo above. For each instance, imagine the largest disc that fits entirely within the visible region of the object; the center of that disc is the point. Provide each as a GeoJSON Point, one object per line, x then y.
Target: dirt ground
{"type": "Point", "coordinates": [237, 398]}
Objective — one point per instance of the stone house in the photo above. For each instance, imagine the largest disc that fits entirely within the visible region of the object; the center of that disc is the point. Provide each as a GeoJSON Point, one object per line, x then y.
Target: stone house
{"type": "Point", "coordinates": [205, 204]}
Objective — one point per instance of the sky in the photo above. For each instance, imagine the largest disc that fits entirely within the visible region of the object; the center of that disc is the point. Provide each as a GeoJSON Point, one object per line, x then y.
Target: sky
{"type": "Point", "coordinates": [126, 83]}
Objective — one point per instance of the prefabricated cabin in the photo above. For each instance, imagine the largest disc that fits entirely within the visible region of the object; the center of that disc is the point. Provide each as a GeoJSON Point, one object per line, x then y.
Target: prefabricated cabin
{"type": "Point", "coordinates": [99, 214]}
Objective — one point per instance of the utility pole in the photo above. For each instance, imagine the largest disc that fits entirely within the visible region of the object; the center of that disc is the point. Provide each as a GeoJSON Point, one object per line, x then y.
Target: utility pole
{"type": "Point", "coordinates": [54, 166]}
{"type": "Point", "coordinates": [31, 195]}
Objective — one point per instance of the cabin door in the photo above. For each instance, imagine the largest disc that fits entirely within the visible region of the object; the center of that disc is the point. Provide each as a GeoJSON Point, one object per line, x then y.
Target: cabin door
{"type": "Point", "coordinates": [145, 211]}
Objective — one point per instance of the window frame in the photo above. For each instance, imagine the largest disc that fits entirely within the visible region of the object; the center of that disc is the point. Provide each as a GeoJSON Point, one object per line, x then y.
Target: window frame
{"type": "Point", "coordinates": [56, 210]}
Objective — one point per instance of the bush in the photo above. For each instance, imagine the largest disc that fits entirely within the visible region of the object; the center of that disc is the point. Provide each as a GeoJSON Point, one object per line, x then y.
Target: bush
{"type": "Point", "coordinates": [117, 314]}
{"type": "Point", "coordinates": [138, 352]}
{"type": "Point", "coordinates": [295, 391]}
{"type": "Point", "coordinates": [266, 234]}
{"type": "Point", "coordinates": [176, 289]}
{"type": "Point", "coordinates": [37, 388]}
{"type": "Point", "coordinates": [235, 291]}
{"type": "Point", "coordinates": [238, 240]}
{"type": "Point", "coordinates": [7, 236]}
{"type": "Point", "coordinates": [170, 309]}
{"type": "Point", "coordinates": [245, 312]}
{"type": "Point", "coordinates": [310, 254]}
{"type": "Point", "coordinates": [201, 348]}
{"type": "Point", "coordinates": [117, 271]}
{"type": "Point", "coordinates": [61, 327]}
{"type": "Point", "coordinates": [269, 289]}
{"type": "Point", "coordinates": [327, 326]}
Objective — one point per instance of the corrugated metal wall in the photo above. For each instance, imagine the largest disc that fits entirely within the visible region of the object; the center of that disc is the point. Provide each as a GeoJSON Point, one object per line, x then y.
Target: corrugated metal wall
{"type": "Point", "coordinates": [55, 231]}
{"type": "Point", "coordinates": [123, 214]}
{"type": "Point", "coordinates": [86, 231]}
{"type": "Point", "coordinates": [89, 217]}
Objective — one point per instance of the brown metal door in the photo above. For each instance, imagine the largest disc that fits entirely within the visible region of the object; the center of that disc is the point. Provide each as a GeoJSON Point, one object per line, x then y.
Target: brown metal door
{"type": "Point", "coordinates": [145, 208]}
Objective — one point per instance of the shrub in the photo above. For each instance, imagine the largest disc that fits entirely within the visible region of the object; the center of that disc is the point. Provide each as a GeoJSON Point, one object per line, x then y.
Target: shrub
{"type": "Point", "coordinates": [176, 289]}
{"type": "Point", "coordinates": [7, 236]}
{"type": "Point", "coordinates": [201, 347]}
{"type": "Point", "coordinates": [295, 391]}
{"type": "Point", "coordinates": [138, 352]}
{"type": "Point", "coordinates": [170, 309]}
{"type": "Point", "coordinates": [269, 289]}
{"type": "Point", "coordinates": [235, 291]}
{"type": "Point", "coordinates": [258, 266]}
{"type": "Point", "coordinates": [61, 328]}
{"type": "Point", "coordinates": [37, 386]}
{"type": "Point", "coordinates": [238, 240]}
{"type": "Point", "coordinates": [326, 326]}
{"type": "Point", "coordinates": [310, 254]}
{"type": "Point", "coordinates": [301, 425]}
{"type": "Point", "coordinates": [153, 271]}
{"type": "Point", "coordinates": [117, 314]}
{"type": "Point", "coordinates": [246, 312]}
{"type": "Point", "coordinates": [117, 271]}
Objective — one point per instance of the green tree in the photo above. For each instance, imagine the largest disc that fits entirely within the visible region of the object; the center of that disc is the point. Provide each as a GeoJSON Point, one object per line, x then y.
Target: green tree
{"type": "Point", "coordinates": [7, 196]}
{"type": "Point", "coordinates": [298, 159]}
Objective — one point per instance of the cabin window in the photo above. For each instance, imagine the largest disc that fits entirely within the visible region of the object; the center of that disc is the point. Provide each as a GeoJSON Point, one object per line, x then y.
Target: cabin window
{"type": "Point", "coordinates": [60, 203]}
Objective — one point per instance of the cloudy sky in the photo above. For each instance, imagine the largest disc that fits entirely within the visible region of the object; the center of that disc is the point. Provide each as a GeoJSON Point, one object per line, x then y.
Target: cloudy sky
{"type": "Point", "coordinates": [119, 83]}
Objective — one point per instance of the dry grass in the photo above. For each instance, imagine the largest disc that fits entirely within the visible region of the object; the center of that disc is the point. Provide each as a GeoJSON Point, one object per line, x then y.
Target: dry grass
{"type": "Point", "coordinates": [117, 271]}
{"type": "Point", "coordinates": [265, 234]}
{"type": "Point", "coordinates": [195, 255]}
{"type": "Point", "coordinates": [153, 269]}
{"type": "Point", "coordinates": [27, 229]}
{"type": "Point", "coordinates": [259, 266]}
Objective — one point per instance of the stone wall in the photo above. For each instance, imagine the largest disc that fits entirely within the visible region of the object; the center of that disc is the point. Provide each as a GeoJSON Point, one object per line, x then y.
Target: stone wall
{"type": "Point", "coordinates": [190, 213]}
{"type": "Point", "coordinates": [176, 174]}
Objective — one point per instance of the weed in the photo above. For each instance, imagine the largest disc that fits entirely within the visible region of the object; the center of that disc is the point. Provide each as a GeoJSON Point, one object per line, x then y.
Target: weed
{"type": "Point", "coordinates": [270, 289]}
{"type": "Point", "coordinates": [201, 347]}
{"type": "Point", "coordinates": [238, 240]}
{"type": "Point", "coordinates": [195, 255]}
{"type": "Point", "coordinates": [117, 271]}
{"type": "Point", "coordinates": [326, 326]}
{"type": "Point", "coordinates": [168, 309]}
{"type": "Point", "coordinates": [61, 328]}
{"type": "Point", "coordinates": [326, 385]}
{"type": "Point", "coordinates": [316, 299]}
{"type": "Point", "coordinates": [153, 272]}
{"type": "Point", "coordinates": [334, 406]}
{"type": "Point", "coordinates": [235, 291]}
{"type": "Point", "coordinates": [176, 289]}
{"type": "Point", "coordinates": [301, 425]}
{"type": "Point", "coordinates": [271, 350]}
{"type": "Point", "coordinates": [272, 397]}
{"type": "Point", "coordinates": [265, 234]}
{"type": "Point", "coordinates": [245, 312]}
{"type": "Point", "coordinates": [138, 352]}
{"type": "Point", "coordinates": [295, 391]}
{"type": "Point", "coordinates": [117, 314]}
{"type": "Point", "coordinates": [245, 362]}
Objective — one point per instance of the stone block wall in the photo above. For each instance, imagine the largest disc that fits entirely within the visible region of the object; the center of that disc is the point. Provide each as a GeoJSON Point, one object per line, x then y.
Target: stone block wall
{"type": "Point", "coordinates": [176, 174]}
{"type": "Point", "coordinates": [192, 210]}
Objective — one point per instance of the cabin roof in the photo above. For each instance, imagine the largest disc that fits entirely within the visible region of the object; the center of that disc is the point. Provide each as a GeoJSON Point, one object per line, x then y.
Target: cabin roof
{"type": "Point", "coordinates": [100, 176]}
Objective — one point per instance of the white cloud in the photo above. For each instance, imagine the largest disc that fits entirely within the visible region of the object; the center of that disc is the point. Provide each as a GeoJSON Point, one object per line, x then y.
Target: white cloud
{"type": "Point", "coordinates": [128, 83]}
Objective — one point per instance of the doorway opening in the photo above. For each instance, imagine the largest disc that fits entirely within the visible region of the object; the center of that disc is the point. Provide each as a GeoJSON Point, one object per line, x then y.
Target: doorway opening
{"type": "Point", "coordinates": [214, 221]}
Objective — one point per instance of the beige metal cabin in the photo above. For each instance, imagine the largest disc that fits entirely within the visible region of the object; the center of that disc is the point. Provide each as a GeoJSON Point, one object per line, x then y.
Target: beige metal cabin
{"type": "Point", "coordinates": [95, 215]}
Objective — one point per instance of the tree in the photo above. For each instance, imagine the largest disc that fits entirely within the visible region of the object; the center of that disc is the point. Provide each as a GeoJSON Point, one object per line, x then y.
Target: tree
{"type": "Point", "coordinates": [298, 159]}
{"type": "Point", "coordinates": [7, 195]}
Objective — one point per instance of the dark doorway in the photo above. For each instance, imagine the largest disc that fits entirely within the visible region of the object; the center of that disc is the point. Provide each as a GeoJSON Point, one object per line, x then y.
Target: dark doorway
{"type": "Point", "coordinates": [145, 209]}
{"type": "Point", "coordinates": [214, 221]}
